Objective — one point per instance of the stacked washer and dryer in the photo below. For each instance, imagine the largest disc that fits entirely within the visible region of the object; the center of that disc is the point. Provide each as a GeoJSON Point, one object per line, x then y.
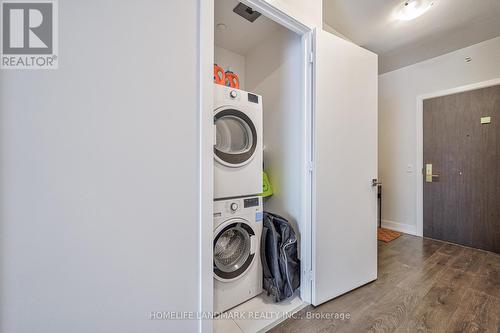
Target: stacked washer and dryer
{"type": "Point", "coordinates": [238, 155]}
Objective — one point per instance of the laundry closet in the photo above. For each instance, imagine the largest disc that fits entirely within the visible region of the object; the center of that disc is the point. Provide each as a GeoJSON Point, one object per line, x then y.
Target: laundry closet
{"type": "Point", "coordinates": [266, 58]}
{"type": "Point", "coordinates": [268, 117]}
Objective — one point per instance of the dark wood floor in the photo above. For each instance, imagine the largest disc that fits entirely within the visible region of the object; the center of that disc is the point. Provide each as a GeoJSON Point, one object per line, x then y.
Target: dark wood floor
{"type": "Point", "coordinates": [423, 285]}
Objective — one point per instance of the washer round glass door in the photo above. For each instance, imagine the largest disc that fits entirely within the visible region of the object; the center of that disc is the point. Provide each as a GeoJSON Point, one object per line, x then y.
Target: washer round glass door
{"type": "Point", "coordinates": [236, 138]}
{"type": "Point", "coordinates": [233, 250]}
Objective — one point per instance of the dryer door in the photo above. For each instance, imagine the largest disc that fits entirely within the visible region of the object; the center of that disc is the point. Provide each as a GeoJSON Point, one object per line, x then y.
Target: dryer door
{"type": "Point", "coordinates": [234, 249]}
{"type": "Point", "coordinates": [236, 137]}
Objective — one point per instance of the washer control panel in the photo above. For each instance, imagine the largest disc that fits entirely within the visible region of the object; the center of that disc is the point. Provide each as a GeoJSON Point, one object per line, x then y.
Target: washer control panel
{"type": "Point", "coordinates": [251, 202]}
{"type": "Point", "coordinates": [239, 206]}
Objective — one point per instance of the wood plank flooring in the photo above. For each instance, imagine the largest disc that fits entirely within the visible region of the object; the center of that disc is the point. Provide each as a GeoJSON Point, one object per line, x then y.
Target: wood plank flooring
{"type": "Point", "coordinates": [423, 285]}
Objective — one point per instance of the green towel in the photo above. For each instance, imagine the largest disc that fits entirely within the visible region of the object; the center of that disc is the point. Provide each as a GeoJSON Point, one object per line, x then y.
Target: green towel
{"type": "Point", "coordinates": [267, 190]}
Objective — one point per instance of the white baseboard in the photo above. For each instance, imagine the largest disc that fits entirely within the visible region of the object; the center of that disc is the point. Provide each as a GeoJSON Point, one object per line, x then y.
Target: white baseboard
{"type": "Point", "coordinates": [401, 227]}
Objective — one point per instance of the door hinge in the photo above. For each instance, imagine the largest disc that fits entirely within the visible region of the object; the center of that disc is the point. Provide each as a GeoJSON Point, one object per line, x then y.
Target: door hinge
{"type": "Point", "coordinates": [309, 275]}
{"type": "Point", "coordinates": [311, 57]}
{"type": "Point", "coordinates": [310, 167]}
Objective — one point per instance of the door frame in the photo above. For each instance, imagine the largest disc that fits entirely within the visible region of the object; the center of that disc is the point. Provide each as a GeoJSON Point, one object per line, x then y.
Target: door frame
{"type": "Point", "coordinates": [420, 141]}
{"type": "Point", "coordinates": [205, 149]}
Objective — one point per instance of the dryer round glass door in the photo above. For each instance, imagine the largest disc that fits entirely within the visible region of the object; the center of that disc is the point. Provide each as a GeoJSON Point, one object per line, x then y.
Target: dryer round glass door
{"type": "Point", "coordinates": [233, 250]}
{"type": "Point", "coordinates": [236, 138]}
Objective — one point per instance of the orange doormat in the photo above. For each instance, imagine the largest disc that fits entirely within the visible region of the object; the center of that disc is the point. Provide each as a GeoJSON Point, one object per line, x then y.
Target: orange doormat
{"type": "Point", "coordinates": [386, 235]}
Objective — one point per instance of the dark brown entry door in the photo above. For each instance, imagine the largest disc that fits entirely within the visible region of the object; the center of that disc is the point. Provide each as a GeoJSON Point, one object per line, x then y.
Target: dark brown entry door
{"type": "Point", "coordinates": [462, 203]}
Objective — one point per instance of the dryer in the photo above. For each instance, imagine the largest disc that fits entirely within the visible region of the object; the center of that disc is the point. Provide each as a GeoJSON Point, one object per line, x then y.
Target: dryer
{"type": "Point", "coordinates": [238, 143]}
{"type": "Point", "coordinates": [236, 251]}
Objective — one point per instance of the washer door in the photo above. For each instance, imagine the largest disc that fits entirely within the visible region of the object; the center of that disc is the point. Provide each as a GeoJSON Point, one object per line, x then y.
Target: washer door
{"type": "Point", "coordinates": [234, 249]}
{"type": "Point", "coordinates": [236, 138]}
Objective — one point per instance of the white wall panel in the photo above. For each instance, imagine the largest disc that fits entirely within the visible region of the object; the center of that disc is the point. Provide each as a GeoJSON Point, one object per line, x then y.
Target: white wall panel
{"type": "Point", "coordinates": [99, 174]}
{"type": "Point", "coordinates": [274, 71]}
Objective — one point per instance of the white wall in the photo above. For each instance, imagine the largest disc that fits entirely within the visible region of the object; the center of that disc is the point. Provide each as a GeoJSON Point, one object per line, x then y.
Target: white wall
{"type": "Point", "coordinates": [274, 72]}
{"type": "Point", "coordinates": [232, 61]}
{"type": "Point", "coordinates": [330, 29]}
{"type": "Point", "coordinates": [99, 174]}
{"type": "Point", "coordinates": [398, 91]}
{"type": "Point", "coordinates": [308, 12]}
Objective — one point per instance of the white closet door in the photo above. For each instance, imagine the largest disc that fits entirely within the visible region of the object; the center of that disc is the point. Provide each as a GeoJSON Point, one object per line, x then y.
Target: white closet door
{"type": "Point", "coordinates": [345, 222]}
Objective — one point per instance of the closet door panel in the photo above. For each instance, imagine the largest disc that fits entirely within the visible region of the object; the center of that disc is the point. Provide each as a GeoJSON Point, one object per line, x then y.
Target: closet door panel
{"type": "Point", "coordinates": [345, 125]}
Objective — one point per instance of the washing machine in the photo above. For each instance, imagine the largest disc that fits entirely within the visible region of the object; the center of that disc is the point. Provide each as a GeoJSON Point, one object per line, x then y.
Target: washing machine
{"type": "Point", "coordinates": [236, 251]}
{"type": "Point", "coordinates": [238, 143]}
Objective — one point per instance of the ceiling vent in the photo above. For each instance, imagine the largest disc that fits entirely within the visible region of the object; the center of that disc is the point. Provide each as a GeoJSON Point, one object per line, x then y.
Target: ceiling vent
{"type": "Point", "coordinates": [246, 12]}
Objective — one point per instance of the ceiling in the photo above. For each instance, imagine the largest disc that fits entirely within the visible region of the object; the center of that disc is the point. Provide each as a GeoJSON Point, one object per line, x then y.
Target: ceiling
{"type": "Point", "coordinates": [240, 35]}
{"type": "Point", "coordinates": [448, 26]}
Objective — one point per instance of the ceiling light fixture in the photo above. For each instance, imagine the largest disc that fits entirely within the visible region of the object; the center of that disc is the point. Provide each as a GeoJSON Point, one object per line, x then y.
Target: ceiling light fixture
{"type": "Point", "coordinates": [411, 9]}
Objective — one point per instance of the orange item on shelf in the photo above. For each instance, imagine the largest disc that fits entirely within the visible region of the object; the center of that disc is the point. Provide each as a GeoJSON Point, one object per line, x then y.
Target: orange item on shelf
{"type": "Point", "coordinates": [232, 80]}
{"type": "Point", "coordinates": [219, 76]}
